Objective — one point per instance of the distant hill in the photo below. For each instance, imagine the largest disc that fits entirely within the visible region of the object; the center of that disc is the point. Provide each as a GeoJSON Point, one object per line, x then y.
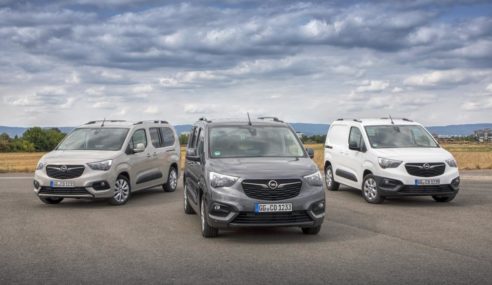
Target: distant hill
{"type": "Point", "coordinates": [305, 128]}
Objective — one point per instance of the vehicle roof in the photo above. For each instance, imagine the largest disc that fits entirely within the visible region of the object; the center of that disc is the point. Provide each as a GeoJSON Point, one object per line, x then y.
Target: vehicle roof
{"type": "Point", "coordinates": [375, 122]}
{"type": "Point", "coordinates": [123, 124]}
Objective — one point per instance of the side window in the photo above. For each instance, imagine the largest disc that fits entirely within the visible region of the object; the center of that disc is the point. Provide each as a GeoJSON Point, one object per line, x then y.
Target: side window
{"type": "Point", "coordinates": [355, 137]}
{"type": "Point", "coordinates": [155, 137]}
{"type": "Point", "coordinates": [167, 136]}
{"type": "Point", "coordinates": [139, 136]}
{"type": "Point", "coordinates": [201, 142]}
{"type": "Point", "coordinates": [194, 138]}
{"type": "Point", "coordinates": [191, 137]}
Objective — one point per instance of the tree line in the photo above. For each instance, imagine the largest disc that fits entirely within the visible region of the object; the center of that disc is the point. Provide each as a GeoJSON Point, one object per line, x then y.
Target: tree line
{"type": "Point", "coordinates": [33, 139]}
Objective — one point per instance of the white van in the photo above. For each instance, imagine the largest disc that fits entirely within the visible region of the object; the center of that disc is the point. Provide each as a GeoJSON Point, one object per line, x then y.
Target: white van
{"type": "Point", "coordinates": [388, 157]}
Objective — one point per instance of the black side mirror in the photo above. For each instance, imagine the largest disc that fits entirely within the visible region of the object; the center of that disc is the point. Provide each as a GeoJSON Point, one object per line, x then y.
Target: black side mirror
{"type": "Point", "coordinates": [354, 146]}
{"type": "Point", "coordinates": [310, 152]}
{"type": "Point", "coordinates": [191, 155]}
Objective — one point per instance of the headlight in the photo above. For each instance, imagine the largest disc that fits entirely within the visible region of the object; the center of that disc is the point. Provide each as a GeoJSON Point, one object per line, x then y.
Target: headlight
{"type": "Point", "coordinates": [314, 179]}
{"type": "Point", "coordinates": [101, 165]}
{"type": "Point", "coordinates": [388, 163]}
{"type": "Point", "coordinates": [451, 162]}
{"type": "Point", "coordinates": [40, 166]}
{"type": "Point", "coordinates": [221, 180]}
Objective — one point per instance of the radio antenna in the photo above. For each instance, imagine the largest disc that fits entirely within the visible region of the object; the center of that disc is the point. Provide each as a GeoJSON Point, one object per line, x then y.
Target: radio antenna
{"type": "Point", "coordinates": [102, 125]}
{"type": "Point", "coordinates": [249, 119]}
{"type": "Point", "coordinates": [391, 120]}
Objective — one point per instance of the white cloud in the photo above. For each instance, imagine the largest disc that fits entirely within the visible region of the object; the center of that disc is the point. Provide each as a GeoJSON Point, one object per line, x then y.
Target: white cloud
{"type": "Point", "coordinates": [445, 78]}
{"type": "Point", "coordinates": [151, 110]}
{"type": "Point", "coordinates": [372, 86]}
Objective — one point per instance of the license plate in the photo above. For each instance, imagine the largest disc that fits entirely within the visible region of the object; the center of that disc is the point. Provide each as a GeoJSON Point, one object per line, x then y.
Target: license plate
{"type": "Point", "coordinates": [272, 208]}
{"type": "Point", "coordinates": [62, 184]}
{"type": "Point", "coordinates": [427, 182]}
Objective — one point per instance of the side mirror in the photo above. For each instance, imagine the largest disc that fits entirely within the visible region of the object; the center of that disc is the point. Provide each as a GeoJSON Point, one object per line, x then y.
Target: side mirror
{"type": "Point", "coordinates": [354, 146]}
{"type": "Point", "coordinates": [310, 152]}
{"type": "Point", "coordinates": [191, 154]}
{"type": "Point", "coordinates": [139, 148]}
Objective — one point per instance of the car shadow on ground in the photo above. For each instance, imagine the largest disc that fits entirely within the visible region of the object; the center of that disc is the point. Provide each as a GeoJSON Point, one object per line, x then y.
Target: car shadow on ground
{"type": "Point", "coordinates": [142, 198]}
{"type": "Point", "coordinates": [409, 201]}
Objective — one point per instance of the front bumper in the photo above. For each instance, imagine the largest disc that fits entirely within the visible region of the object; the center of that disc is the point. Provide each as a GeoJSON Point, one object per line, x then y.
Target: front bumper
{"type": "Point", "coordinates": [228, 208]}
{"type": "Point", "coordinates": [92, 184]}
{"type": "Point", "coordinates": [392, 187]}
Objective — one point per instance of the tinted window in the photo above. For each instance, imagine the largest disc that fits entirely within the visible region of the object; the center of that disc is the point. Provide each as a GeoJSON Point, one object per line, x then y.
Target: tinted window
{"type": "Point", "coordinates": [168, 138]}
{"type": "Point", "coordinates": [94, 139]}
{"type": "Point", "coordinates": [355, 137]}
{"type": "Point", "coordinates": [200, 145]}
{"type": "Point", "coordinates": [193, 138]}
{"type": "Point", "coordinates": [138, 137]}
{"type": "Point", "coordinates": [155, 137]}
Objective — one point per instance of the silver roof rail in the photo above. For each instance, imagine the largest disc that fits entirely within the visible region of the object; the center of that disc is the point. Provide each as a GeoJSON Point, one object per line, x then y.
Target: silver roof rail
{"type": "Point", "coordinates": [349, 119]}
{"type": "Point", "coordinates": [275, 119]}
{"type": "Point", "coordinates": [152, 121]}
{"type": "Point", "coordinates": [106, 121]}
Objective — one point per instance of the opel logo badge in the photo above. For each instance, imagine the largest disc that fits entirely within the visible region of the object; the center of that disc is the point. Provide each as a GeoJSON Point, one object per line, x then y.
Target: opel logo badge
{"type": "Point", "coordinates": [426, 166]}
{"type": "Point", "coordinates": [63, 168]}
{"type": "Point", "coordinates": [273, 184]}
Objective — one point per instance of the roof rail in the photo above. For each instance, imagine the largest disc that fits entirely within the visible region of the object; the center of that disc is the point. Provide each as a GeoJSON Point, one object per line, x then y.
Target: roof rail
{"type": "Point", "coordinates": [152, 121]}
{"type": "Point", "coordinates": [100, 121]}
{"type": "Point", "coordinates": [403, 119]}
{"type": "Point", "coordinates": [349, 119]}
{"type": "Point", "coordinates": [203, 119]}
{"type": "Point", "coordinates": [275, 119]}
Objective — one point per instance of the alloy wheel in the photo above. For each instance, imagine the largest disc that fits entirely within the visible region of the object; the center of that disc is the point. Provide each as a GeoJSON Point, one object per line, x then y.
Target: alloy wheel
{"type": "Point", "coordinates": [370, 189]}
{"type": "Point", "coordinates": [121, 190]}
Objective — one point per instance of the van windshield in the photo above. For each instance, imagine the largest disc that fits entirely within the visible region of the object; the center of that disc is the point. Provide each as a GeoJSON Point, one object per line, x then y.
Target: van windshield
{"type": "Point", "coordinates": [110, 139]}
{"type": "Point", "coordinates": [399, 136]}
{"type": "Point", "coordinates": [254, 141]}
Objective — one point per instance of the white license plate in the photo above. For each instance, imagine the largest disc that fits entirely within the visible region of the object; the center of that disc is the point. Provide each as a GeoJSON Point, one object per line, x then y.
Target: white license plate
{"type": "Point", "coordinates": [427, 182]}
{"type": "Point", "coordinates": [272, 208]}
{"type": "Point", "coordinates": [62, 184]}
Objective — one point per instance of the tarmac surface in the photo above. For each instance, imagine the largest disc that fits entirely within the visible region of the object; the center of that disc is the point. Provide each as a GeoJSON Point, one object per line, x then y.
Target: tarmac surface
{"type": "Point", "coordinates": [151, 240]}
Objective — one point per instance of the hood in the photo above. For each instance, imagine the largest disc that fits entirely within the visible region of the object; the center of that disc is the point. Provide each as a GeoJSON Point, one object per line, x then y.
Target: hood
{"type": "Point", "coordinates": [415, 154]}
{"type": "Point", "coordinates": [263, 167]}
{"type": "Point", "coordinates": [77, 156]}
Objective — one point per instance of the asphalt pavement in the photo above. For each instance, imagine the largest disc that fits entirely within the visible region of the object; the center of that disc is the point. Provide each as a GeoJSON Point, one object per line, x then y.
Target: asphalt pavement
{"type": "Point", "coordinates": [151, 240]}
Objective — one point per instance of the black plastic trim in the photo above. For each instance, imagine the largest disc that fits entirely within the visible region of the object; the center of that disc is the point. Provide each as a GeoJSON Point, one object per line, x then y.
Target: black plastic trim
{"type": "Point", "coordinates": [346, 175]}
{"type": "Point", "coordinates": [149, 177]}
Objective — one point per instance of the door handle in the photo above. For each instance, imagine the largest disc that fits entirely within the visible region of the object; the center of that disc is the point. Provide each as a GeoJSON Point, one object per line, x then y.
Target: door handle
{"type": "Point", "coordinates": [328, 146]}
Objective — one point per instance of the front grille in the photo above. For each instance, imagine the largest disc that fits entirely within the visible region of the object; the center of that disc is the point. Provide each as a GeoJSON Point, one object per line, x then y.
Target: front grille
{"type": "Point", "coordinates": [259, 189]}
{"type": "Point", "coordinates": [64, 171]}
{"type": "Point", "coordinates": [272, 218]}
{"type": "Point", "coordinates": [64, 191]}
{"type": "Point", "coordinates": [426, 189]}
{"type": "Point", "coordinates": [425, 169]}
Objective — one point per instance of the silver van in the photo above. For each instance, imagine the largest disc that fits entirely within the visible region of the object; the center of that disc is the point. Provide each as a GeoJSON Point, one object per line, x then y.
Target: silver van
{"type": "Point", "coordinates": [109, 159]}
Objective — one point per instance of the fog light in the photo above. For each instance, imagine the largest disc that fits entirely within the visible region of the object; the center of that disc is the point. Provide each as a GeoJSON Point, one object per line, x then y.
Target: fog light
{"type": "Point", "coordinates": [36, 184]}
{"type": "Point", "coordinates": [318, 207]}
{"type": "Point", "coordinates": [456, 182]}
{"type": "Point", "coordinates": [220, 210]}
{"type": "Point", "coordinates": [100, 185]}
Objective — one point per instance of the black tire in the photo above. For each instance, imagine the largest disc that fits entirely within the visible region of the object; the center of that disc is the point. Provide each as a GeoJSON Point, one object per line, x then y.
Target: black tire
{"type": "Point", "coordinates": [207, 230]}
{"type": "Point", "coordinates": [51, 200]}
{"type": "Point", "coordinates": [330, 182]}
{"type": "Point", "coordinates": [311, 231]}
{"type": "Point", "coordinates": [122, 191]}
{"type": "Point", "coordinates": [443, 199]}
{"type": "Point", "coordinates": [187, 207]}
{"type": "Point", "coordinates": [370, 190]}
{"type": "Point", "coordinates": [172, 180]}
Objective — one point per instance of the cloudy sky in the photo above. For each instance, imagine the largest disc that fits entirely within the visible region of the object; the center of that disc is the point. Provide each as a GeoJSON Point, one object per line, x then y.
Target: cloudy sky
{"type": "Point", "coordinates": [63, 63]}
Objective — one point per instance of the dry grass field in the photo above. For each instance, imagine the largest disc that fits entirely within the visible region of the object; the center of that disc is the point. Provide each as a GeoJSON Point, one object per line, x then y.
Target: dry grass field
{"type": "Point", "coordinates": [469, 156]}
